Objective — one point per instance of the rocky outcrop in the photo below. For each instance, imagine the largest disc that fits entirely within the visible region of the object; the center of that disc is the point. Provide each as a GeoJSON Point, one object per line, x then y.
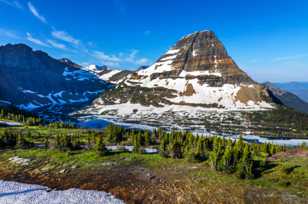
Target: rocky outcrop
{"type": "Point", "coordinates": [67, 62]}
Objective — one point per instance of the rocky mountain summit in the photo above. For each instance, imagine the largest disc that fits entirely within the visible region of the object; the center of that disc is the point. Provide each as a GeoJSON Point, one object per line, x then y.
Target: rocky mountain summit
{"type": "Point", "coordinates": [195, 76]}
{"type": "Point", "coordinates": [32, 79]}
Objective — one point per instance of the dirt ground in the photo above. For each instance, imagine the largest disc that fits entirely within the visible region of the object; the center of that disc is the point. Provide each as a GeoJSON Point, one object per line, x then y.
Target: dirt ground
{"type": "Point", "coordinates": [138, 184]}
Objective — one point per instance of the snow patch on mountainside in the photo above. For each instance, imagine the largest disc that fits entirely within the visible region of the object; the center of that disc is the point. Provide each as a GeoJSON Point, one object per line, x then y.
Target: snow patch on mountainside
{"type": "Point", "coordinates": [163, 65]}
{"type": "Point", "coordinates": [79, 75]}
{"type": "Point", "coordinates": [199, 73]}
{"type": "Point", "coordinates": [104, 73]}
{"type": "Point", "coordinates": [29, 106]}
{"type": "Point", "coordinates": [5, 102]}
{"type": "Point", "coordinates": [58, 98]}
{"type": "Point", "coordinates": [224, 96]}
{"type": "Point", "coordinates": [108, 75]}
{"type": "Point", "coordinates": [132, 110]}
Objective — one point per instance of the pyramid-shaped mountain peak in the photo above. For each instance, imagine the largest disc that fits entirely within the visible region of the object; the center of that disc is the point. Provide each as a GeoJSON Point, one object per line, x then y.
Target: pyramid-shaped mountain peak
{"type": "Point", "coordinates": [199, 54]}
{"type": "Point", "coordinates": [196, 74]}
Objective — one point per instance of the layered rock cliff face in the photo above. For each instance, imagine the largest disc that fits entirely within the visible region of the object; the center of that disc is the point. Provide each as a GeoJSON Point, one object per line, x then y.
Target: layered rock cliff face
{"type": "Point", "coordinates": [199, 55]}
{"type": "Point", "coordinates": [195, 75]}
{"type": "Point", "coordinates": [32, 79]}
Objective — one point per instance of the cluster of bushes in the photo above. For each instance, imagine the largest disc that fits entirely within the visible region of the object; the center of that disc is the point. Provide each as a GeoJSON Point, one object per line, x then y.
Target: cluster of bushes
{"type": "Point", "coordinates": [19, 116]}
{"type": "Point", "coordinates": [222, 154]}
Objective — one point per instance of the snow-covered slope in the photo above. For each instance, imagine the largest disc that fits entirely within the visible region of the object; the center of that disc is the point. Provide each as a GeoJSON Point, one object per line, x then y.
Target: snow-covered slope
{"type": "Point", "coordinates": [195, 75]}
{"type": "Point", "coordinates": [113, 76]}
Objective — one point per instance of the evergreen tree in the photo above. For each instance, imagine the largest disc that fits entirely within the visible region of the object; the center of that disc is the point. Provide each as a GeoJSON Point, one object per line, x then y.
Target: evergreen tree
{"type": "Point", "coordinates": [163, 146]}
{"type": "Point", "coordinates": [113, 133]}
{"type": "Point", "coordinates": [23, 142]}
{"type": "Point", "coordinates": [238, 149]}
{"type": "Point", "coordinates": [147, 138]}
{"type": "Point", "coordinates": [215, 155]}
{"type": "Point", "coordinates": [46, 141]}
{"type": "Point", "coordinates": [176, 150]}
{"type": "Point", "coordinates": [200, 153]}
{"type": "Point", "coordinates": [101, 147]}
{"type": "Point", "coordinates": [245, 167]}
{"type": "Point", "coordinates": [136, 143]}
{"type": "Point", "coordinates": [228, 158]}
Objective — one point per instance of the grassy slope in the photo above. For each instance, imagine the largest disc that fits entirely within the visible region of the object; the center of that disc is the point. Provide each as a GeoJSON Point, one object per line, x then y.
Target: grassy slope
{"type": "Point", "coordinates": [194, 181]}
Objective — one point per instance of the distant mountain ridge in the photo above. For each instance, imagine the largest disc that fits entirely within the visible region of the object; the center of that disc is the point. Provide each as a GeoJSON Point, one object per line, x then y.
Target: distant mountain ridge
{"type": "Point", "coordinates": [32, 79]}
{"type": "Point", "coordinates": [287, 98]}
{"type": "Point", "coordinates": [298, 88]}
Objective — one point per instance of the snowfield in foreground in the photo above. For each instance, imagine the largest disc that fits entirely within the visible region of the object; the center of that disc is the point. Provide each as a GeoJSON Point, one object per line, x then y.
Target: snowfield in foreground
{"type": "Point", "coordinates": [19, 193]}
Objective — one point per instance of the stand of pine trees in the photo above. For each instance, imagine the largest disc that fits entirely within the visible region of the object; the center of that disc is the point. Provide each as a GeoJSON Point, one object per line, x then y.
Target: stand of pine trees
{"type": "Point", "coordinates": [221, 154]}
{"type": "Point", "coordinates": [19, 116]}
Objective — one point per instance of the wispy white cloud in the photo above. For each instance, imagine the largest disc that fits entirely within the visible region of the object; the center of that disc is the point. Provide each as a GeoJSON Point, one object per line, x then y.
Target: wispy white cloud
{"type": "Point", "coordinates": [57, 45]}
{"type": "Point", "coordinates": [64, 36]}
{"type": "Point", "coordinates": [35, 13]}
{"type": "Point", "coordinates": [36, 41]}
{"type": "Point", "coordinates": [290, 57]}
{"type": "Point", "coordinates": [120, 59]}
{"type": "Point", "coordinates": [9, 33]}
{"type": "Point", "coordinates": [133, 59]}
{"type": "Point", "coordinates": [110, 60]}
{"type": "Point", "coordinates": [143, 61]}
{"type": "Point", "coordinates": [14, 4]}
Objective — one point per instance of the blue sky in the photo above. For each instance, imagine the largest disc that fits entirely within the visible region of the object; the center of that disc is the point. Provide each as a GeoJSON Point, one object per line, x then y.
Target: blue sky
{"type": "Point", "coordinates": [267, 39]}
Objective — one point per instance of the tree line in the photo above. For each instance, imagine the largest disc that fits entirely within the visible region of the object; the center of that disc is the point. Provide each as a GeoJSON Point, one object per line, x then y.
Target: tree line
{"type": "Point", "coordinates": [19, 116]}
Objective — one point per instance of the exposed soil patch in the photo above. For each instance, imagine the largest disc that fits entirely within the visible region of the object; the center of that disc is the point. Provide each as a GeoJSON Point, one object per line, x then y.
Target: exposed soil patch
{"type": "Point", "coordinates": [133, 184]}
{"type": "Point", "coordinates": [246, 94]}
